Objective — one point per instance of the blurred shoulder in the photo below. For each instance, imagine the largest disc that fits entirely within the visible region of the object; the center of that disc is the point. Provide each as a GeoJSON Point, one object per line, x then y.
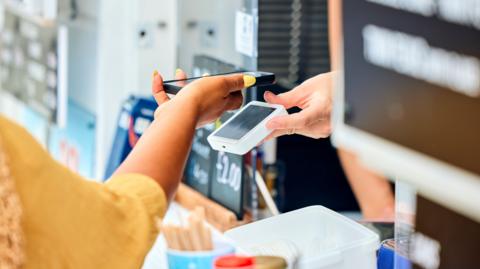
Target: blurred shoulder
{"type": "Point", "coordinates": [7, 126]}
{"type": "Point", "coordinates": [22, 148]}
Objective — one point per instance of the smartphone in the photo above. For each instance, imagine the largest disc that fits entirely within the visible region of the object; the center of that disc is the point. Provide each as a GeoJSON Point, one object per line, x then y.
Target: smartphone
{"type": "Point", "coordinates": [246, 129]}
{"type": "Point", "coordinates": [262, 79]}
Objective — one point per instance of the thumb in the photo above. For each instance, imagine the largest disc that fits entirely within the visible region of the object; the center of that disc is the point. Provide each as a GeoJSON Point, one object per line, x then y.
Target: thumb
{"type": "Point", "coordinates": [287, 99]}
{"type": "Point", "coordinates": [157, 89]}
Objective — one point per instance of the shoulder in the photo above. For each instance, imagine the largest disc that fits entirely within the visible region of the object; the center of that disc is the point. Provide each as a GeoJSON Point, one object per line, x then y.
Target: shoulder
{"type": "Point", "coordinates": [10, 130]}
{"type": "Point", "coordinates": [22, 148]}
{"type": "Point", "coordinates": [6, 124]}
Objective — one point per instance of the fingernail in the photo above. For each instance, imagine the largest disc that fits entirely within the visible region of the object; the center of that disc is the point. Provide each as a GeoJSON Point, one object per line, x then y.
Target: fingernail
{"type": "Point", "coordinates": [178, 70]}
{"type": "Point", "coordinates": [206, 74]}
{"type": "Point", "coordinates": [155, 73]}
{"type": "Point", "coordinates": [248, 81]}
{"type": "Point", "coordinates": [218, 123]}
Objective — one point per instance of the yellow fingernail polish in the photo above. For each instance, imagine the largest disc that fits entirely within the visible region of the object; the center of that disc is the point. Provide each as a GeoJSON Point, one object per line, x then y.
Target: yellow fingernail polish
{"type": "Point", "coordinates": [178, 70]}
{"type": "Point", "coordinates": [248, 80]}
{"type": "Point", "coordinates": [218, 123]}
{"type": "Point", "coordinates": [155, 73]}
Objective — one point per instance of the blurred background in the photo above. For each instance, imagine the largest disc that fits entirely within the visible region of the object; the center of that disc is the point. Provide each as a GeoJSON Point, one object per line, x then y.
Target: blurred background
{"type": "Point", "coordinates": [77, 75]}
{"type": "Point", "coordinates": [72, 71]}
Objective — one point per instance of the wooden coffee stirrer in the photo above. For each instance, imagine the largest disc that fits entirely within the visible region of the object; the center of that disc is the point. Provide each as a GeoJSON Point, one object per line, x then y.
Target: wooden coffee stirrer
{"type": "Point", "coordinates": [195, 236]}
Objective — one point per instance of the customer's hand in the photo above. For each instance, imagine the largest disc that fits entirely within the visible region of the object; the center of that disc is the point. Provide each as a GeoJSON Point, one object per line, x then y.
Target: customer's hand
{"type": "Point", "coordinates": [211, 96]}
{"type": "Point", "coordinates": [314, 97]}
{"type": "Point", "coordinates": [157, 88]}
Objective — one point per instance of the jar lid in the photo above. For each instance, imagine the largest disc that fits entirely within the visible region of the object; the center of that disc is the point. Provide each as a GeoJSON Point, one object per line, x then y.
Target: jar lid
{"type": "Point", "coordinates": [234, 262]}
{"type": "Point", "coordinates": [270, 262]}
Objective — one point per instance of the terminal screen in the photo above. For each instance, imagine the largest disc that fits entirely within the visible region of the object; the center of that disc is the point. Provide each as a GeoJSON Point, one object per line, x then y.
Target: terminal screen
{"type": "Point", "coordinates": [250, 117]}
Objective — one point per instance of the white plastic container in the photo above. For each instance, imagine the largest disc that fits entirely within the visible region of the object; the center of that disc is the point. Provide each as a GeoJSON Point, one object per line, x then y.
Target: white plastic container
{"type": "Point", "coordinates": [316, 236]}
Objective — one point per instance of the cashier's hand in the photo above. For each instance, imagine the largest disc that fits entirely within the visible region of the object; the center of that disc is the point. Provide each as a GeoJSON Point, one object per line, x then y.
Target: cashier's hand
{"type": "Point", "coordinates": [314, 97]}
{"type": "Point", "coordinates": [211, 96]}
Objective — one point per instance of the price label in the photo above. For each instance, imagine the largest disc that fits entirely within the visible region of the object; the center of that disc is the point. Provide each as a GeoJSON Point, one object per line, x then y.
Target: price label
{"type": "Point", "coordinates": [245, 41]}
{"type": "Point", "coordinates": [228, 172]}
{"type": "Point", "coordinates": [199, 166]}
{"type": "Point", "coordinates": [227, 183]}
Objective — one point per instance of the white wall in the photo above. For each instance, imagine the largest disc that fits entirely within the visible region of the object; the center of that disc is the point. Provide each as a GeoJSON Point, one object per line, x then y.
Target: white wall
{"type": "Point", "coordinates": [126, 61]}
{"type": "Point", "coordinates": [218, 15]}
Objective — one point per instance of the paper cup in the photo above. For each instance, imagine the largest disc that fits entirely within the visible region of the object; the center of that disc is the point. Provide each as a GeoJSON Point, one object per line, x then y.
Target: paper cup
{"type": "Point", "coordinates": [197, 259]}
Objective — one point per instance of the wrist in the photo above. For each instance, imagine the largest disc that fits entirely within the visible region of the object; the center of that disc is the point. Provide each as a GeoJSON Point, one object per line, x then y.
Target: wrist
{"type": "Point", "coordinates": [189, 105]}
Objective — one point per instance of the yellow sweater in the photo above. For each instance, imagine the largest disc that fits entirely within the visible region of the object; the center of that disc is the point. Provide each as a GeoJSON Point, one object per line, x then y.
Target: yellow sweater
{"type": "Point", "coordinates": [70, 222]}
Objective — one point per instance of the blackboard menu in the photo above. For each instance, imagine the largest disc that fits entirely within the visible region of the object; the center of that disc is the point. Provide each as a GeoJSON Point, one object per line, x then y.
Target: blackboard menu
{"type": "Point", "coordinates": [199, 166]}
{"type": "Point", "coordinates": [226, 186]}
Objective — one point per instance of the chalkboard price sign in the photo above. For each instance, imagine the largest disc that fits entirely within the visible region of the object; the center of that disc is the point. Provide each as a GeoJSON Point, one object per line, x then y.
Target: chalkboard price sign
{"type": "Point", "coordinates": [228, 173]}
{"type": "Point", "coordinates": [227, 183]}
{"type": "Point", "coordinates": [217, 175]}
{"type": "Point", "coordinates": [199, 166]}
{"type": "Point", "coordinates": [226, 186]}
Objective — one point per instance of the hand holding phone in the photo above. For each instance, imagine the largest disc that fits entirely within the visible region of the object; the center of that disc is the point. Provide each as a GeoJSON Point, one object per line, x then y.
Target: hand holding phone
{"type": "Point", "coordinates": [209, 98]}
{"type": "Point", "coordinates": [261, 79]}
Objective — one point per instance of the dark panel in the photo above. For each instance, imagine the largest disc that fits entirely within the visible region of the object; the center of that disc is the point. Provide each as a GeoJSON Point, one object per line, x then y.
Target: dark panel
{"type": "Point", "coordinates": [447, 237]}
{"type": "Point", "coordinates": [293, 39]}
{"type": "Point", "coordinates": [293, 43]}
{"type": "Point", "coordinates": [314, 175]}
{"type": "Point", "coordinates": [426, 117]}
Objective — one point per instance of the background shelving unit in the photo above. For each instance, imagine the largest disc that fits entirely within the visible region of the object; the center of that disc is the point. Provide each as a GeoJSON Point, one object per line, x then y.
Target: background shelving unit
{"type": "Point", "coordinates": [113, 48]}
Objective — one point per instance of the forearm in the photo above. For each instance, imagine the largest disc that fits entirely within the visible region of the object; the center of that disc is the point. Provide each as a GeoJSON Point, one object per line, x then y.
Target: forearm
{"type": "Point", "coordinates": [373, 192]}
{"type": "Point", "coordinates": [335, 33]}
{"type": "Point", "coordinates": [162, 151]}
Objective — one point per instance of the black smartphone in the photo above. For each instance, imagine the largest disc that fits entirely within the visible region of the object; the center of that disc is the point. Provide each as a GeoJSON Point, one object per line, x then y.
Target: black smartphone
{"type": "Point", "coordinates": [262, 79]}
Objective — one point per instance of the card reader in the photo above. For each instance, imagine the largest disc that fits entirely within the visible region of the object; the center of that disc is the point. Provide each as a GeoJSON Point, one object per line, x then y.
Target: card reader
{"type": "Point", "coordinates": [246, 129]}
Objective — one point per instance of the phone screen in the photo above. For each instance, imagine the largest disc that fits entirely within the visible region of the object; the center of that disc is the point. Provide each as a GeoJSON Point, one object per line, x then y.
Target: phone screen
{"type": "Point", "coordinates": [242, 123]}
